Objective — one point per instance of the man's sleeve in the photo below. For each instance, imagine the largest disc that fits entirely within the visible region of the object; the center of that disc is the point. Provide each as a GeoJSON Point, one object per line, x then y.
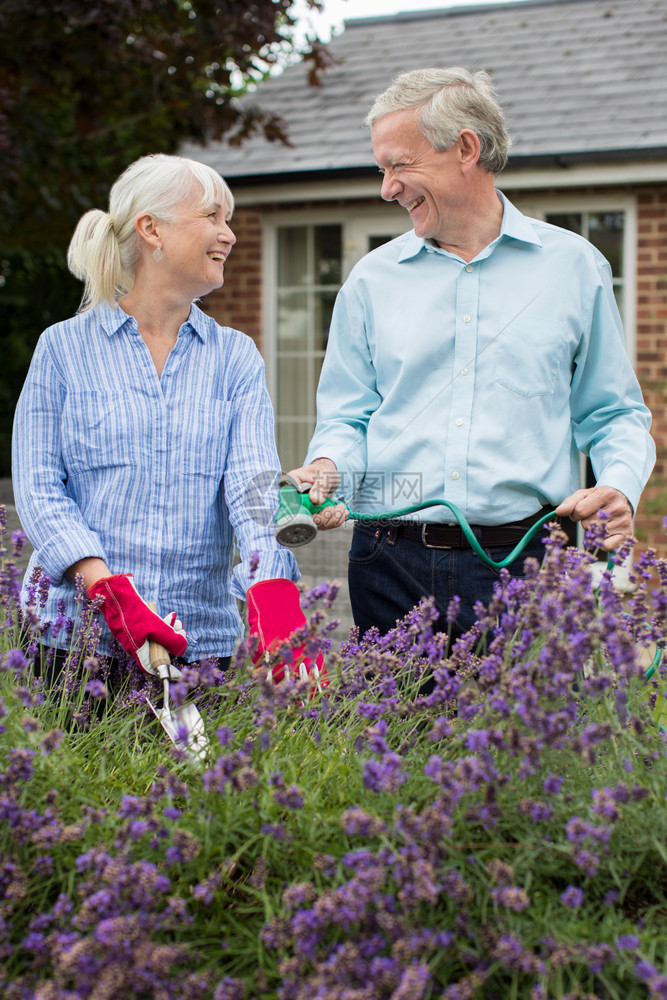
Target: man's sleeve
{"type": "Point", "coordinates": [347, 395]}
{"type": "Point", "coordinates": [610, 420]}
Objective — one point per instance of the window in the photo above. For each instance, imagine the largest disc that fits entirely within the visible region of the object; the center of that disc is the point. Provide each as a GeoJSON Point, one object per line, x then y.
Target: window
{"type": "Point", "coordinates": [308, 275]}
{"type": "Point", "coordinates": [310, 263]}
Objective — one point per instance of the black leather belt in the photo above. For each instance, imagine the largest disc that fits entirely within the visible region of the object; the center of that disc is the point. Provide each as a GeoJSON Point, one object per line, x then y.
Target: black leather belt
{"type": "Point", "coordinates": [450, 536]}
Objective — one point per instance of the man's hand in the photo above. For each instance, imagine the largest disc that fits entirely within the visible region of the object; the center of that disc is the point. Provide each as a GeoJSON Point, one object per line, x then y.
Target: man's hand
{"type": "Point", "coordinates": [584, 506]}
{"type": "Point", "coordinates": [323, 474]}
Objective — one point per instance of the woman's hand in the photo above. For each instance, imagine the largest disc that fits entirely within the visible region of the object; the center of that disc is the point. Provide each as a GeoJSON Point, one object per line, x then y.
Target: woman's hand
{"type": "Point", "coordinates": [133, 623]}
{"type": "Point", "coordinates": [274, 613]}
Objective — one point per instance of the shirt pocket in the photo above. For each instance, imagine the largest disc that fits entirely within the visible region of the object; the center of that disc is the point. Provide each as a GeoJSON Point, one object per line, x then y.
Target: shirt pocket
{"type": "Point", "coordinates": [529, 355]}
{"type": "Point", "coordinates": [100, 430]}
{"type": "Point", "coordinates": [201, 428]}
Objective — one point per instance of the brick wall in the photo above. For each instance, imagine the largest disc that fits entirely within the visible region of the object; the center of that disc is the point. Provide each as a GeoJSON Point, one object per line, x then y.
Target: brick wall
{"type": "Point", "coordinates": [239, 304]}
{"type": "Point", "coordinates": [652, 351]}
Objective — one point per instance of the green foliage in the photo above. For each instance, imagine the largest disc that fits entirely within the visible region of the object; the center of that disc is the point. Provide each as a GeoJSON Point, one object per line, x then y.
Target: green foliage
{"type": "Point", "coordinates": [89, 87]}
{"type": "Point", "coordinates": [85, 89]}
{"type": "Point", "coordinates": [35, 292]}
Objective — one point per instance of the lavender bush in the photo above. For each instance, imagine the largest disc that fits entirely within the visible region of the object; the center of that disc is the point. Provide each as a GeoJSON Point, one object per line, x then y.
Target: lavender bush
{"type": "Point", "coordinates": [490, 824]}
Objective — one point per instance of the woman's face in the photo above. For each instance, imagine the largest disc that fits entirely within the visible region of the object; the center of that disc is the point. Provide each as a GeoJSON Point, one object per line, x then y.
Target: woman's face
{"type": "Point", "coordinates": [195, 245]}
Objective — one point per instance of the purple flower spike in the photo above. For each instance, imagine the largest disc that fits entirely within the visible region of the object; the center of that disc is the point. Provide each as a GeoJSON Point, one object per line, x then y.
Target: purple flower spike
{"type": "Point", "coordinates": [572, 897]}
{"type": "Point", "coordinates": [97, 689]}
{"type": "Point", "coordinates": [627, 942]}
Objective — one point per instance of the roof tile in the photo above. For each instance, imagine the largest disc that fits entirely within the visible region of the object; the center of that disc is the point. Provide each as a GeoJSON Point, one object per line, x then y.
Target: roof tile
{"type": "Point", "coordinates": [575, 77]}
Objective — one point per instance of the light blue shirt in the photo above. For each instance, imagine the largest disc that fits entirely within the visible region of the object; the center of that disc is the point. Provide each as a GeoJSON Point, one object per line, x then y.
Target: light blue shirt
{"type": "Point", "coordinates": [153, 475]}
{"type": "Point", "coordinates": [478, 382]}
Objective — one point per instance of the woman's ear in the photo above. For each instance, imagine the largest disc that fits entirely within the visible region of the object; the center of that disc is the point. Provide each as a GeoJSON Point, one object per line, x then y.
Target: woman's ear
{"type": "Point", "coordinates": [146, 226]}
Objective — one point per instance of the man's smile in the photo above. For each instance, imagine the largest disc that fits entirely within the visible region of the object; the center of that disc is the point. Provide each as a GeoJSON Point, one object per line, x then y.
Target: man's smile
{"type": "Point", "coordinates": [413, 204]}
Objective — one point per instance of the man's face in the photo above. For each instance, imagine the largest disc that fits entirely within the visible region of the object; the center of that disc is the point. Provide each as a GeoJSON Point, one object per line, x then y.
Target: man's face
{"type": "Point", "coordinates": [426, 183]}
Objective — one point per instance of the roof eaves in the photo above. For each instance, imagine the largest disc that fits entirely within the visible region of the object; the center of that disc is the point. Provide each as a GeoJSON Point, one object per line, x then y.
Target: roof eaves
{"type": "Point", "coordinates": [517, 162]}
{"type": "Point", "coordinates": [565, 159]}
{"type": "Point", "coordinates": [301, 176]}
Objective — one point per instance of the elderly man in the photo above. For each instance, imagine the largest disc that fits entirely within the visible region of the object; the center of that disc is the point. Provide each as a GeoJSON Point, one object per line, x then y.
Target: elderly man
{"type": "Point", "coordinates": [477, 355]}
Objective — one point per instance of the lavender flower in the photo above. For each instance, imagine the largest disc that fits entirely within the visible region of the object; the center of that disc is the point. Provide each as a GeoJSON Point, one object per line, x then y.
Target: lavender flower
{"type": "Point", "coordinates": [290, 797]}
{"type": "Point", "coordinates": [627, 942]}
{"type": "Point", "coordinates": [384, 775]}
{"type": "Point", "coordinates": [511, 897]}
{"type": "Point", "coordinates": [572, 897]}
{"type": "Point", "coordinates": [254, 564]}
{"type": "Point", "coordinates": [97, 689]}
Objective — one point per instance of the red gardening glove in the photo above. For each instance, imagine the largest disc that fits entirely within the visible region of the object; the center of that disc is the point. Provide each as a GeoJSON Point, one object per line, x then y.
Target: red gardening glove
{"type": "Point", "coordinates": [274, 612]}
{"type": "Point", "coordinates": [133, 623]}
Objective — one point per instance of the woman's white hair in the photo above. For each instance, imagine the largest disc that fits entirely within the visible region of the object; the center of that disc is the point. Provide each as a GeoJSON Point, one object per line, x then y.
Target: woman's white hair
{"type": "Point", "coordinates": [448, 100]}
{"type": "Point", "coordinates": [104, 249]}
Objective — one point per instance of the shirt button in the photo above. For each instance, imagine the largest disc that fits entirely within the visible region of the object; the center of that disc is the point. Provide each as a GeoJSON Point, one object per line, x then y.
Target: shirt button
{"type": "Point", "coordinates": [168, 371]}
{"type": "Point", "coordinates": [455, 475]}
{"type": "Point", "coordinates": [466, 318]}
{"type": "Point", "coordinates": [459, 422]}
{"type": "Point", "coordinates": [464, 371]}
{"type": "Point", "coordinates": [469, 268]}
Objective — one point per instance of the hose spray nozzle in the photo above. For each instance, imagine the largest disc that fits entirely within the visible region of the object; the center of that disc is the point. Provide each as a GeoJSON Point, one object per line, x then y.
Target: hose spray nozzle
{"type": "Point", "coordinates": [293, 523]}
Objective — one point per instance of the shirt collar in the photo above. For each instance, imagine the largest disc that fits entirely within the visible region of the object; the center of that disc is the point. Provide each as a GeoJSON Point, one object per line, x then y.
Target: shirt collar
{"type": "Point", "coordinates": [113, 319]}
{"type": "Point", "coordinates": [514, 226]}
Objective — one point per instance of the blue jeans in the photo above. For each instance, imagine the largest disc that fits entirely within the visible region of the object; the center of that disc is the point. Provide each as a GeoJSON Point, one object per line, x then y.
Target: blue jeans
{"type": "Point", "coordinates": [388, 574]}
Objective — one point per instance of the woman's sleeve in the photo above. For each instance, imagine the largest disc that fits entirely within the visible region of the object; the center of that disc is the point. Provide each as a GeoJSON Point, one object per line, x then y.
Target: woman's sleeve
{"type": "Point", "coordinates": [252, 474]}
{"type": "Point", "coordinates": [49, 516]}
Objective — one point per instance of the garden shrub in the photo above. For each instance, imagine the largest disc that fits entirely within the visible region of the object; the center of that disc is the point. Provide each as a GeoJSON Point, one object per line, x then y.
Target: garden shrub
{"type": "Point", "coordinates": [490, 823]}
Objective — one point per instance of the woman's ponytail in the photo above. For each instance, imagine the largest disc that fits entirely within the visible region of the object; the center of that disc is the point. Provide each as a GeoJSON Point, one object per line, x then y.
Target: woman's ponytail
{"type": "Point", "coordinates": [94, 257]}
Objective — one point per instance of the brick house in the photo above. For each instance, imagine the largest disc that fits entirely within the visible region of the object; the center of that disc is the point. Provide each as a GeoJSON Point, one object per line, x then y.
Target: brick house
{"type": "Point", "coordinates": [584, 87]}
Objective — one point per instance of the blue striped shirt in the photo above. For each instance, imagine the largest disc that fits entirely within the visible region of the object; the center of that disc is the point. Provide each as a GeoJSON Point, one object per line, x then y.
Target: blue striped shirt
{"type": "Point", "coordinates": [153, 475]}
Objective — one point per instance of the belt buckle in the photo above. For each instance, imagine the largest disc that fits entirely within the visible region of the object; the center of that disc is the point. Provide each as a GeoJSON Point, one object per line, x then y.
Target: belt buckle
{"type": "Point", "coordinates": [431, 545]}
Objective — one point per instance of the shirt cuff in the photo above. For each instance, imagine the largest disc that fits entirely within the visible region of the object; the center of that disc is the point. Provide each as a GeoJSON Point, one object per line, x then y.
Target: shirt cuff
{"type": "Point", "coordinates": [619, 477]}
{"type": "Point", "coordinates": [272, 565]}
{"type": "Point", "coordinates": [58, 554]}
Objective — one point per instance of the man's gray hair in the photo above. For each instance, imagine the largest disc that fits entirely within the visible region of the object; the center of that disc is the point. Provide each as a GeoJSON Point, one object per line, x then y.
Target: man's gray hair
{"type": "Point", "coordinates": [448, 100]}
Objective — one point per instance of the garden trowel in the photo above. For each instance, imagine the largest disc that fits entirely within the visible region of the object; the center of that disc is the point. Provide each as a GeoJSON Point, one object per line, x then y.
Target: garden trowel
{"type": "Point", "coordinates": [184, 725]}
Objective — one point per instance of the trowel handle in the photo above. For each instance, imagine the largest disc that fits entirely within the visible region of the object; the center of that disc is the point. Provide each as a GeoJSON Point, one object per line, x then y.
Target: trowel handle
{"type": "Point", "coordinates": [157, 654]}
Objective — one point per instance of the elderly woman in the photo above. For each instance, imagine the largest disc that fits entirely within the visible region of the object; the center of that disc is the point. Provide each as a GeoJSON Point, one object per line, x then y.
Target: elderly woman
{"type": "Point", "coordinates": [141, 425]}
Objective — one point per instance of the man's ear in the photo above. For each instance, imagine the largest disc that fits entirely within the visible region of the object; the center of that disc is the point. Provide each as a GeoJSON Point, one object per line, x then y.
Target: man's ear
{"type": "Point", "coordinates": [470, 148]}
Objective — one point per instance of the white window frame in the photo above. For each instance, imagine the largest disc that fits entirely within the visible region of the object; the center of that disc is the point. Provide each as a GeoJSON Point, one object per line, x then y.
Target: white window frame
{"type": "Point", "coordinates": [357, 224]}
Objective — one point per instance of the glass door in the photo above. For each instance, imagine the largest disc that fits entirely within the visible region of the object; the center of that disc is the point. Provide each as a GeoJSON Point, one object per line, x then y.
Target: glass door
{"type": "Point", "coordinates": [311, 262]}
